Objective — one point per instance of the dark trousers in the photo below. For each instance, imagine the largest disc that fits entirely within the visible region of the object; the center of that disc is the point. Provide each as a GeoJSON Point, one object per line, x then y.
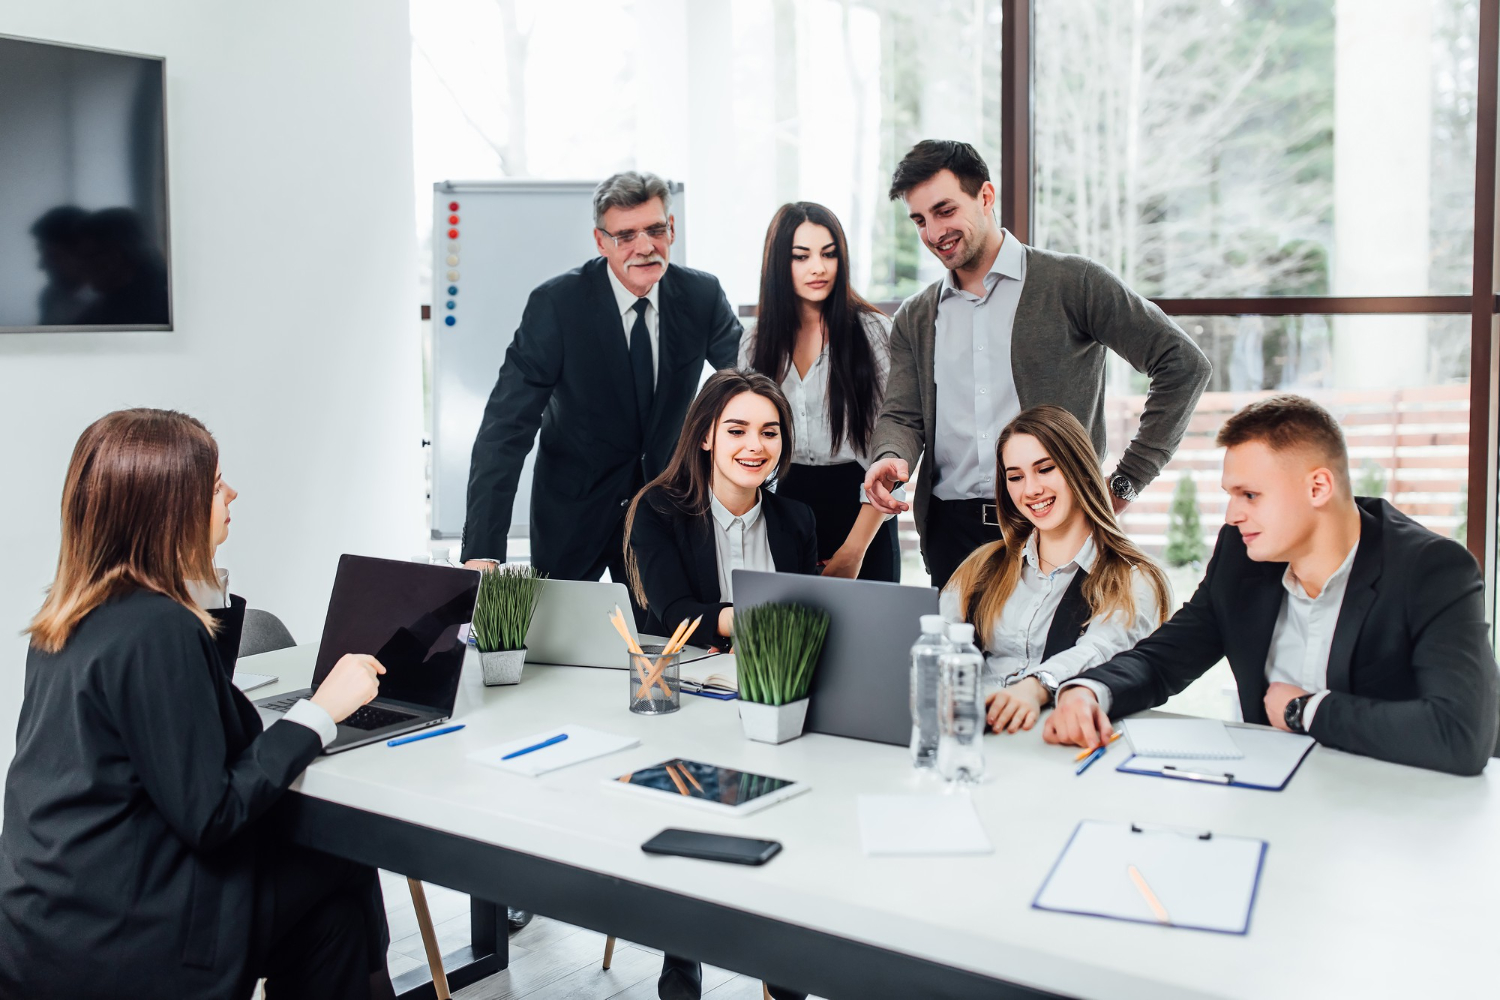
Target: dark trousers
{"type": "Point", "coordinates": [832, 491]}
{"type": "Point", "coordinates": [681, 977]}
{"type": "Point", "coordinates": [319, 928]}
{"type": "Point", "coordinates": [954, 529]}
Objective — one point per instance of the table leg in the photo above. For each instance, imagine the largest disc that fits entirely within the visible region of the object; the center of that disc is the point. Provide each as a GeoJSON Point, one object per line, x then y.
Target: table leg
{"type": "Point", "coordinates": [488, 952]}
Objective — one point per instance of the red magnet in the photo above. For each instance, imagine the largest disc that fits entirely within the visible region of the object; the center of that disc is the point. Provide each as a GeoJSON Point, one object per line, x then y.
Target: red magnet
{"type": "Point", "coordinates": [453, 234]}
{"type": "Point", "coordinates": [452, 220]}
{"type": "Point", "coordinates": [453, 206]}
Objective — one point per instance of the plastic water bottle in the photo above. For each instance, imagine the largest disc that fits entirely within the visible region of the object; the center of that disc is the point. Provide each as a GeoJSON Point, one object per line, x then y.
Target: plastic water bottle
{"type": "Point", "coordinates": [930, 645]}
{"type": "Point", "coordinates": [960, 754]}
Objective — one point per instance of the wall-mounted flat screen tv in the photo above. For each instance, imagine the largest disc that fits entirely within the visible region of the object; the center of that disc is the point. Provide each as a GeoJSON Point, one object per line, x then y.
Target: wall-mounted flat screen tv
{"type": "Point", "coordinates": [83, 190]}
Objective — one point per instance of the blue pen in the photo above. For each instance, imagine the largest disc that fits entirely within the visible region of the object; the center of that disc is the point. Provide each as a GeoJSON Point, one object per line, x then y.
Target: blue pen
{"type": "Point", "coordinates": [538, 746]}
{"type": "Point", "coordinates": [1098, 752]}
{"type": "Point", "coordinates": [428, 734]}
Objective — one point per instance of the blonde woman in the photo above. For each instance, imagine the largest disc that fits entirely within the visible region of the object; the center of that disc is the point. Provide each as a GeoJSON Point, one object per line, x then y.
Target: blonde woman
{"type": "Point", "coordinates": [1063, 589]}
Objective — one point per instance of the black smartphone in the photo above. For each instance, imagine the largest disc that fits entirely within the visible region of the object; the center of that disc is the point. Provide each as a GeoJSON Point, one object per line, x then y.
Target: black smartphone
{"type": "Point", "coordinates": [712, 847]}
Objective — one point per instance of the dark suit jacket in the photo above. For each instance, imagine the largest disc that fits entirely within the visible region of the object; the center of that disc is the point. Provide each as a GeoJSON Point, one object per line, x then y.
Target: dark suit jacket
{"type": "Point", "coordinates": [679, 564]}
{"type": "Point", "coordinates": [129, 852]}
{"type": "Point", "coordinates": [1411, 674]}
{"type": "Point", "coordinates": [568, 372]}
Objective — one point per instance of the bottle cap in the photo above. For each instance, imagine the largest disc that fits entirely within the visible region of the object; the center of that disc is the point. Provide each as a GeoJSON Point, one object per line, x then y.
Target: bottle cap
{"type": "Point", "coordinates": [932, 624]}
{"type": "Point", "coordinates": [961, 632]}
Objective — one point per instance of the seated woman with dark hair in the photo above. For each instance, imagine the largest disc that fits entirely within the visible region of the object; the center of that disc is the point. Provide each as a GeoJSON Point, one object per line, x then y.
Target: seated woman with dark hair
{"type": "Point", "coordinates": [133, 860]}
{"type": "Point", "coordinates": [1064, 589]}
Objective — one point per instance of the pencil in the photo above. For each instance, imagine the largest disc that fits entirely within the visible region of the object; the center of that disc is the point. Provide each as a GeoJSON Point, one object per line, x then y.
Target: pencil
{"type": "Point", "coordinates": [1088, 761]}
{"type": "Point", "coordinates": [1151, 900]}
{"type": "Point", "coordinates": [1084, 753]}
{"type": "Point", "coordinates": [689, 776]}
{"type": "Point", "coordinates": [676, 780]}
{"type": "Point", "coordinates": [618, 621]}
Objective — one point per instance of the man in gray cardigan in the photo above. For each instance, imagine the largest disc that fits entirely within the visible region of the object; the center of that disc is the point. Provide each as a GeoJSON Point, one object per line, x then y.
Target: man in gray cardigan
{"type": "Point", "coordinates": [1009, 327]}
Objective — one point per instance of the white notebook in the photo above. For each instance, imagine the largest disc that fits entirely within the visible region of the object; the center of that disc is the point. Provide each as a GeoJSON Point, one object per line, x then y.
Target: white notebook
{"type": "Point", "coordinates": [582, 744]}
{"type": "Point", "coordinates": [1194, 739]}
{"type": "Point", "coordinates": [249, 682]}
{"type": "Point", "coordinates": [920, 825]}
{"type": "Point", "coordinates": [1199, 879]}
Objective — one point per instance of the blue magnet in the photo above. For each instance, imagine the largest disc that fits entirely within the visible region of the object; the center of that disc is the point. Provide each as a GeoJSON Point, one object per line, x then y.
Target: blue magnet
{"type": "Point", "coordinates": [452, 289]}
{"type": "Point", "coordinates": [449, 320]}
{"type": "Point", "coordinates": [450, 303]}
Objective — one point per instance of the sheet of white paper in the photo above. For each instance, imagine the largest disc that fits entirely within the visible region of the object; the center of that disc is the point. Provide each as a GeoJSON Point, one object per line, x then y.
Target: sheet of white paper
{"type": "Point", "coordinates": [1270, 757]}
{"type": "Point", "coordinates": [582, 744]}
{"type": "Point", "coordinates": [920, 825]}
{"type": "Point", "coordinates": [249, 682]}
{"type": "Point", "coordinates": [1200, 739]}
{"type": "Point", "coordinates": [1202, 884]}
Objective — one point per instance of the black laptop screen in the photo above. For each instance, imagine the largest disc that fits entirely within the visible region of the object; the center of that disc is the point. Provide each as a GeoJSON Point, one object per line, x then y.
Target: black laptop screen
{"type": "Point", "coordinates": [407, 616]}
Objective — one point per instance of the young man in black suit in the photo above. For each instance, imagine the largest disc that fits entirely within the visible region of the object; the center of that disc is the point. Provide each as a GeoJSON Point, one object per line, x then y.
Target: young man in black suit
{"type": "Point", "coordinates": [1341, 617]}
{"type": "Point", "coordinates": [606, 360]}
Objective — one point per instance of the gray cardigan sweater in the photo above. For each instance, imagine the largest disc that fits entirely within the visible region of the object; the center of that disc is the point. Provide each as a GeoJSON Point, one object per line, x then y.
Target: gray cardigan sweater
{"type": "Point", "coordinates": [1071, 310]}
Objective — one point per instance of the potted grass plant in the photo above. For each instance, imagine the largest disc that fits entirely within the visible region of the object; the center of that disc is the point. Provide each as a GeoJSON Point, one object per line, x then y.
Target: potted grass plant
{"type": "Point", "coordinates": [776, 649]}
{"type": "Point", "coordinates": [507, 599]}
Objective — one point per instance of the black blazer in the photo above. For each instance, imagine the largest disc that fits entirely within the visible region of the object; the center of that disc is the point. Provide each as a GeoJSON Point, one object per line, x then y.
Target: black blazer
{"type": "Point", "coordinates": [128, 856]}
{"type": "Point", "coordinates": [568, 372]}
{"type": "Point", "coordinates": [679, 565]}
{"type": "Point", "coordinates": [1411, 674]}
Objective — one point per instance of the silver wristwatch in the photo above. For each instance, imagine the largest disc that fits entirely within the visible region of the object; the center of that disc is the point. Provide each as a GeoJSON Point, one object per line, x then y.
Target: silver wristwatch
{"type": "Point", "coordinates": [1122, 487]}
{"type": "Point", "coordinates": [1048, 682]}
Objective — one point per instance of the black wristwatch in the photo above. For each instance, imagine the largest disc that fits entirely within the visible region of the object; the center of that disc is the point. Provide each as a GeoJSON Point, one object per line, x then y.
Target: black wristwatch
{"type": "Point", "coordinates": [1122, 487]}
{"type": "Point", "coordinates": [1293, 714]}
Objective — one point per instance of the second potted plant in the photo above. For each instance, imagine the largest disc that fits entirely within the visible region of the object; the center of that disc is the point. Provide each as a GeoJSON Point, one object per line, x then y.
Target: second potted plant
{"type": "Point", "coordinates": [776, 649]}
{"type": "Point", "coordinates": [507, 599]}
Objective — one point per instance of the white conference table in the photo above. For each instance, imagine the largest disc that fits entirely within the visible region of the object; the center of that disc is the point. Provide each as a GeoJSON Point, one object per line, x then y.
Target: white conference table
{"type": "Point", "coordinates": [1380, 880]}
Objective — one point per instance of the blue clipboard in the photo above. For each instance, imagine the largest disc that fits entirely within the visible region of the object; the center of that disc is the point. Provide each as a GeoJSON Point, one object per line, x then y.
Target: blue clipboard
{"type": "Point", "coordinates": [1196, 880]}
{"type": "Point", "coordinates": [1271, 758]}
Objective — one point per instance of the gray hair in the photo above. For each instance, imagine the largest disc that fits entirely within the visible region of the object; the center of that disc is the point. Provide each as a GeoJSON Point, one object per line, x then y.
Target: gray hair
{"type": "Point", "coordinates": [627, 189]}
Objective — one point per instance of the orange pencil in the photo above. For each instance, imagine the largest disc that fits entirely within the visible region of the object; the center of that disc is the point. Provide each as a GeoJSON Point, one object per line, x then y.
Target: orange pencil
{"type": "Point", "coordinates": [1084, 753]}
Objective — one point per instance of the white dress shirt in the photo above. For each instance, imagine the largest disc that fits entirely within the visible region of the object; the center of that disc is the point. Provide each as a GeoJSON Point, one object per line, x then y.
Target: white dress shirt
{"type": "Point", "coordinates": [625, 300]}
{"type": "Point", "coordinates": [741, 543]}
{"type": "Point", "coordinates": [976, 390]}
{"type": "Point", "coordinates": [1014, 647]}
{"type": "Point", "coordinates": [1300, 642]}
{"type": "Point", "coordinates": [808, 396]}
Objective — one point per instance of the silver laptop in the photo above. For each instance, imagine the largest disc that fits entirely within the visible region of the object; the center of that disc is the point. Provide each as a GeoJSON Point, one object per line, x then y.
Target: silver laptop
{"type": "Point", "coordinates": [407, 615]}
{"type": "Point", "coordinates": [862, 685]}
{"type": "Point", "coordinates": [571, 627]}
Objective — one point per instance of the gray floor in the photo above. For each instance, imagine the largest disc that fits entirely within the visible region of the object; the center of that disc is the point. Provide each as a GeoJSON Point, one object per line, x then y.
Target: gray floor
{"type": "Point", "coordinates": [549, 960]}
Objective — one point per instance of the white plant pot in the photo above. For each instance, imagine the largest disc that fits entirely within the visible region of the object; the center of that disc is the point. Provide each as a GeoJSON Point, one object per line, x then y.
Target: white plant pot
{"type": "Point", "coordinates": [503, 666]}
{"type": "Point", "coordinates": [773, 723]}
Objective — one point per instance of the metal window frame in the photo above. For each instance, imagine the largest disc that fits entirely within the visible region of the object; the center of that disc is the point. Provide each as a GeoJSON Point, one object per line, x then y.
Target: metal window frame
{"type": "Point", "coordinates": [1017, 191]}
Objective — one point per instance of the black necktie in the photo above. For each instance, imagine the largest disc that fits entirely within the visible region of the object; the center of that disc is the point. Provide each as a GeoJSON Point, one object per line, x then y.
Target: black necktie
{"type": "Point", "coordinates": [640, 361]}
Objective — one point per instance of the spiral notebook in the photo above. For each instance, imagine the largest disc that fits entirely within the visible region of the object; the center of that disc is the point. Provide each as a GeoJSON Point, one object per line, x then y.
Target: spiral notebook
{"type": "Point", "coordinates": [1189, 739]}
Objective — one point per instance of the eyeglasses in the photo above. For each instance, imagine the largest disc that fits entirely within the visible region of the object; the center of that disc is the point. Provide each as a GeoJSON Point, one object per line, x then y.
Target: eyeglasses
{"type": "Point", "coordinates": [626, 237]}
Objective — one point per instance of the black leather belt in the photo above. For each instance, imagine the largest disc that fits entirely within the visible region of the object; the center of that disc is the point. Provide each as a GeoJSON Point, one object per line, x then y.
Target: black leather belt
{"type": "Point", "coordinates": [987, 512]}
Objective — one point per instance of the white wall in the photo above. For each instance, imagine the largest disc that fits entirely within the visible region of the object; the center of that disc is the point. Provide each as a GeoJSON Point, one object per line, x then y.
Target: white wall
{"type": "Point", "coordinates": [296, 340]}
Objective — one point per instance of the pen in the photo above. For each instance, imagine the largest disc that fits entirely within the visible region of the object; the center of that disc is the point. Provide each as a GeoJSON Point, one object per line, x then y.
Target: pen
{"type": "Point", "coordinates": [1159, 911]}
{"type": "Point", "coordinates": [1084, 753]}
{"type": "Point", "coordinates": [424, 735]}
{"type": "Point", "coordinates": [1094, 755]}
{"type": "Point", "coordinates": [536, 746]}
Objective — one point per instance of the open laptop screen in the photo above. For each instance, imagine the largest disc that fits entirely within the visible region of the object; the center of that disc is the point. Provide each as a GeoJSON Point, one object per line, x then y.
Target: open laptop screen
{"type": "Point", "coordinates": [407, 616]}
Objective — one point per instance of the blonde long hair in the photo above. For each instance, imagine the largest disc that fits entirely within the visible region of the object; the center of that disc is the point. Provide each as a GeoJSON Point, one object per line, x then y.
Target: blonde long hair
{"type": "Point", "coordinates": [988, 577]}
{"type": "Point", "coordinates": [137, 513]}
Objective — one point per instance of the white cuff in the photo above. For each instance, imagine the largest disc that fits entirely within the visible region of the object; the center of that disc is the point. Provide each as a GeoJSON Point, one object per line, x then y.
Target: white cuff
{"type": "Point", "coordinates": [314, 717]}
{"type": "Point", "coordinates": [1311, 706]}
{"type": "Point", "coordinates": [1101, 692]}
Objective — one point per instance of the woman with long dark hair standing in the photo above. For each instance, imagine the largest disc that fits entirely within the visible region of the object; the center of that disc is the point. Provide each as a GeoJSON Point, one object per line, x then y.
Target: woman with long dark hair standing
{"type": "Point", "coordinates": [829, 350]}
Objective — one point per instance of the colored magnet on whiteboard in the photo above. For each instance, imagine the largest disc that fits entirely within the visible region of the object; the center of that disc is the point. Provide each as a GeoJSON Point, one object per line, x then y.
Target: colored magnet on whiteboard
{"type": "Point", "coordinates": [449, 320]}
{"type": "Point", "coordinates": [452, 259]}
{"type": "Point", "coordinates": [453, 206]}
{"type": "Point", "coordinates": [450, 303]}
{"type": "Point", "coordinates": [453, 234]}
{"type": "Point", "coordinates": [452, 220]}
{"type": "Point", "coordinates": [453, 246]}
{"type": "Point", "coordinates": [452, 275]}
{"type": "Point", "coordinates": [452, 289]}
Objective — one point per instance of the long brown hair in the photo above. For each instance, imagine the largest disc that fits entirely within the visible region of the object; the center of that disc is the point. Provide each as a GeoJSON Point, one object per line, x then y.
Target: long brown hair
{"type": "Point", "coordinates": [687, 481]}
{"type": "Point", "coordinates": [987, 579]}
{"type": "Point", "coordinates": [137, 511]}
{"type": "Point", "coordinates": [854, 390]}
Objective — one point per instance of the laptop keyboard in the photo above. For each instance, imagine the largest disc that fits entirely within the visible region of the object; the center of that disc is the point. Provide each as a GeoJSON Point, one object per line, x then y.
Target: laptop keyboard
{"type": "Point", "coordinates": [370, 717]}
{"type": "Point", "coordinates": [280, 704]}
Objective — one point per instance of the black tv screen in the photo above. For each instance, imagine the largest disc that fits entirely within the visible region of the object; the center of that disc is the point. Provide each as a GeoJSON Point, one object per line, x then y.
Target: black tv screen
{"type": "Point", "coordinates": [83, 190]}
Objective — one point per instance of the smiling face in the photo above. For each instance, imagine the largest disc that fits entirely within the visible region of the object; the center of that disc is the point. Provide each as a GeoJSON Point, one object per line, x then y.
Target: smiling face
{"type": "Point", "coordinates": [224, 495]}
{"type": "Point", "coordinates": [1274, 498]}
{"type": "Point", "coordinates": [815, 262]}
{"type": "Point", "coordinates": [958, 228]}
{"type": "Point", "coordinates": [1036, 485]}
{"type": "Point", "coordinates": [745, 444]}
{"type": "Point", "coordinates": [640, 258]}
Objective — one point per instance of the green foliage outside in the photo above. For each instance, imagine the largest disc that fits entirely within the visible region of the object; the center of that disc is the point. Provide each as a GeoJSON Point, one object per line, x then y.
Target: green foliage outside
{"type": "Point", "coordinates": [776, 648]}
{"type": "Point", "coordinates": [1461, 532]}
{"type": "Point", "coordinates": [1371, 481]}
{"type": "Point", "coordinates": [1184, 531]}
{"type": "Point", "coordinates": [507, 599]}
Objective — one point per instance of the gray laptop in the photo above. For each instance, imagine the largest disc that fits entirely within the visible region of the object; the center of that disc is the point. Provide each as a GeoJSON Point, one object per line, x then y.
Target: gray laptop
{"type": "Point", "coordinates": [571, 626]}
{"type": "Point", "coordinates": [406, 615]}
{"type": "Point", "coordinates": [862, 685]}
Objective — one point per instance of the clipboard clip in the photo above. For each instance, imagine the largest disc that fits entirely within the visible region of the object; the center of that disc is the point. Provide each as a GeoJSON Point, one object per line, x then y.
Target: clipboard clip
{"type": "Point", "coordinates": [1196, 834]}
{"type": "Point", "coordinates": [1182, 772]}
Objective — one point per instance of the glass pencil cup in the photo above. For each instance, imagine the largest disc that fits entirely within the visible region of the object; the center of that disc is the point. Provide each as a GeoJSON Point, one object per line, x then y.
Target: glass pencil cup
{"type": "Point", "coordinates": [655, 684]}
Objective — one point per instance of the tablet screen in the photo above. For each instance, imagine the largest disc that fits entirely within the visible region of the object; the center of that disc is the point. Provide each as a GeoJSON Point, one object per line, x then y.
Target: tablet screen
{"type": "Point", "coordinates": [707, 782]}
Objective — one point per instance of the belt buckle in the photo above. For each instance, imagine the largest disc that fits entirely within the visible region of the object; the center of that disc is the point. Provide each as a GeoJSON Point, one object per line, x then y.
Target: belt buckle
{"type": "Point", "coordinates": [990, 515]}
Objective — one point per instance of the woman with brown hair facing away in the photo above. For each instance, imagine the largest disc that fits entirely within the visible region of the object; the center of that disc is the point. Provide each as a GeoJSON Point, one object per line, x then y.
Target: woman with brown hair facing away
{"type": "Point", "coordinates": [132, 860]}
{"type": "Point", "coordinates": [829, 350]}
{"type": "Point", "coordinates": [1064, 589]}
